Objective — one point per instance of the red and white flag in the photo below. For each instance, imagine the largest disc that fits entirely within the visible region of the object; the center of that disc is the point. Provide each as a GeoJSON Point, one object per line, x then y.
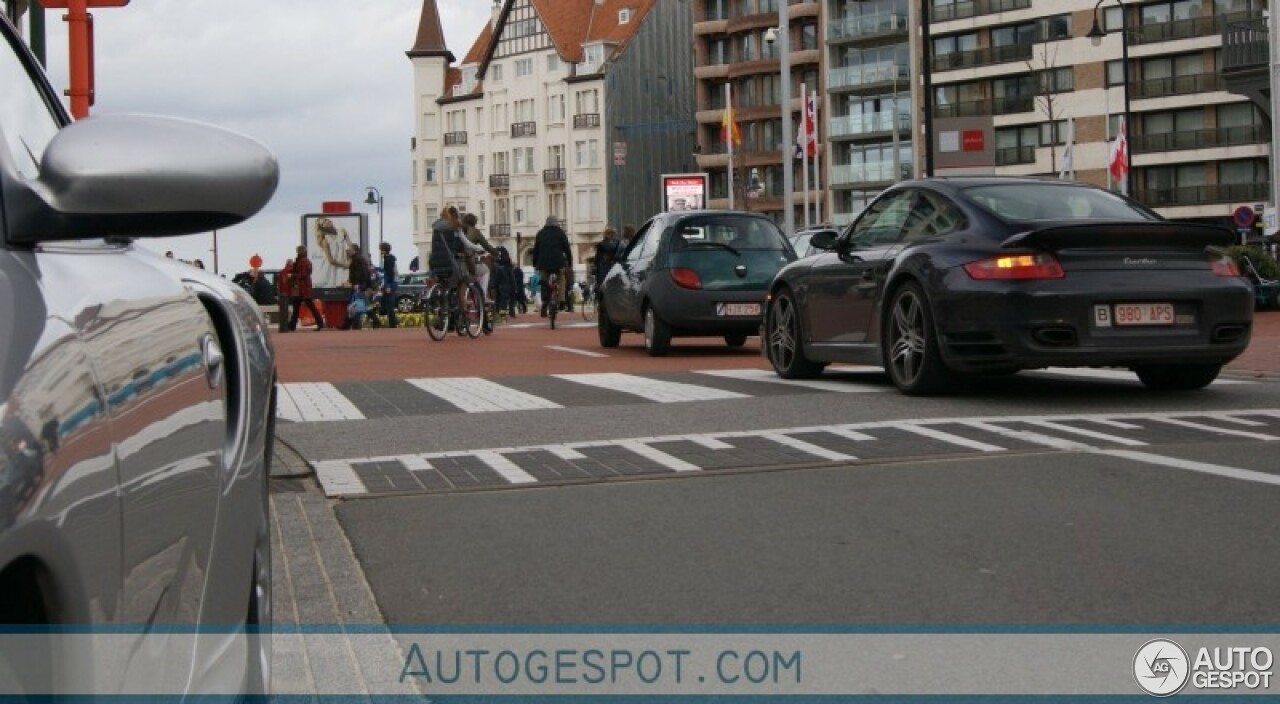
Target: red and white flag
{"type": "Point", "coordinates": [1118, 162]}
{"type": "Point", "coordinates": [807, 133]}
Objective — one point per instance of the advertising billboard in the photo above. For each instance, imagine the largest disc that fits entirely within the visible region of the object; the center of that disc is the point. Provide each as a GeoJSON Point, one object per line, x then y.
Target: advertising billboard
{"type": "Point", "coordinates": [328, 238]}
{"type": "Point", "coordinates": [684, 191]}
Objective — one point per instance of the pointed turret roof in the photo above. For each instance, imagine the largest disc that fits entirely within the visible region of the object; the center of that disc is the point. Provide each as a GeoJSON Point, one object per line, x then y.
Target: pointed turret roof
{"type": "Point", "coordinates": [430, 41]}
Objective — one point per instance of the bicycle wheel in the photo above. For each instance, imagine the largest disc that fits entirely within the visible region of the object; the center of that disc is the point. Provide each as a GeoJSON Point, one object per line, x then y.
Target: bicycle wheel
{"type": "Point", "coordinates": [472, 312]}
{"type": "Point", "coordinates": [589, 307]}
{"type": "Point", "coordinates": [436, 312]}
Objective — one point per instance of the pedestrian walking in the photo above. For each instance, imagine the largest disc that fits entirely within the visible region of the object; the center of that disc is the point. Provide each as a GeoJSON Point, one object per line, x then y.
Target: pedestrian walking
{"type": "Point", "coordinates": [608, 251]}
{"type": "Point", "coordinates": [300, 290]}
{"type": "Point", "coordinates": [390, 284]}
{"type": "Point", "coordinates": [358, 278]}
{"type": "Point", "coordinates": [284, 286]}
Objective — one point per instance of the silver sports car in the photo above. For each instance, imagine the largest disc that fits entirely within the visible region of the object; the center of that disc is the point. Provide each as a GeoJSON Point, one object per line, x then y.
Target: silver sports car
{"type": "Point", "coordinates": [135, 404]}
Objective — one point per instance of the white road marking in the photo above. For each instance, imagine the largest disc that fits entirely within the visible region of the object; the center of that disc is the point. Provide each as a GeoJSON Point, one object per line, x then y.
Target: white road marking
{"type": "Point", "coordinates": [772, 378]}
{"type": "Point", "coordinates": [564, 452]}
{"type": "Point", "coordinates": [1028, 436]}
{"type": "Point", "coordinates": [850, 434]}
{"type": "Point", "coordinates": [415, 463]}
{"type": "Point", "coordinates": [810, 448]}
{"type": "Point", "coordinates": [339, 478]}
{"type": "Point", "coordinates": [317, 401]}
{"type": "Point", "coordinates": [944, 436]}
{"type": "Point", "coordinates": [1219, 431]}
{"type": "Point", "coordinates": [1241, 421]}
{"type": "Point", "coordinates": [286, 408]}
{"type": "Point", "coordinates": [1050, 425]}
{"type": "Point", "coordinates": [1115, 423]}
{"type": "Point", "coordinates": [476, 395]}
{"type": "Point", "coordinates": [506, 468]}
{"type": "Point", "coordinates": [709, 442]}
{"type": "Point", "coordinates": [1247, 475]}
{"type": "Point", "coordinates": [671, 462]}
{"type": "Point", "coordinates": [574, 350]}
{"type": "Point", "coordinates": [651, 389]}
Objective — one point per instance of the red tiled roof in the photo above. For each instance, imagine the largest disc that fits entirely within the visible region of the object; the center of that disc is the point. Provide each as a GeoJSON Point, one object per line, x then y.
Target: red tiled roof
{"type": "Point", "coordinates": [430, 39]}
{"type": "Point", "coordinates": [572, 22]}
{"type": "Point", "coordinates": [476, 53]}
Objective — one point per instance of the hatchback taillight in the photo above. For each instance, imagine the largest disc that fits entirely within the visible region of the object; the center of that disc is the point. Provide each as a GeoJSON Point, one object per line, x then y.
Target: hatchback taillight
{"type": "Point", "coordinates": [686, 277]}
{"type": "Point", "coordinates": [1016, 267]}
{"type": "Point", "coordinates": [1223, 264]}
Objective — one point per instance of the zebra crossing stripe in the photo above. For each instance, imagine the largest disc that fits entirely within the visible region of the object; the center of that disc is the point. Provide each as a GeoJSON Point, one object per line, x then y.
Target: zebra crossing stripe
{"type": "Point", "coordinates": [767, 376]}
{"type": "Point", "coordinates": [1028, 436]}
{"type": "Point", "coordinates": [671, 462]}
{"type": "Point", "coordinates": [1062, 427]}
{"type": "Point", "coordinates": [339, 478]}
{"type": "Point", "coordinates": [475, 395]}
{"type": "Point", "coordinates": [1215, 429]}
{"type": "Point", "coordinates": [315, 401]}
{"type": "Point", "coordinates": [946, 437]}
{"type": "Point", "coordinates": [801, 445]}
{"type": "Point", "coordinates": [504, 467]}
{"type": "Point", "coordinates": [652, 389]}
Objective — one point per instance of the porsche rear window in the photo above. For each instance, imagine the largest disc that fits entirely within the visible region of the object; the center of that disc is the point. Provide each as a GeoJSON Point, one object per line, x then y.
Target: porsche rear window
{"type": "Point", "coordinates": [1023, 202]}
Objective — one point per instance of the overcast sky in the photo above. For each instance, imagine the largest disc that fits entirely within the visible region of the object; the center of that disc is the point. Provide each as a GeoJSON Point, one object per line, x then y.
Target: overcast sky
{"type": "Point", "coordinates": [324, 83]}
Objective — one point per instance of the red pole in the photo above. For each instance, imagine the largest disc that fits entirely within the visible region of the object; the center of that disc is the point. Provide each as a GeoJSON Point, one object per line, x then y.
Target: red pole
{"type": "Point", "coordinates": [77, 19]}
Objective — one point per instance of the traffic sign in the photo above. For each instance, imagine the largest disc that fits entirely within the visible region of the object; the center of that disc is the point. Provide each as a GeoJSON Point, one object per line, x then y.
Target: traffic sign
{"type": "Point", "coordinates": [1243, 216]}
{"type": "Point", "coordinates": [255, 262]}
{"type": "Point", "coordinates": [619, 153]}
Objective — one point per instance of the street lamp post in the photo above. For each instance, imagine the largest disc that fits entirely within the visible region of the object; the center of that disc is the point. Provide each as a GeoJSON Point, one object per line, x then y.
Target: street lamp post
{"type": "Point", "coordinates": [784, 46]}
{"type": "Point", "coordinates": [1095, 35]}
{"type": "Point", "coordinates": [374, 197]}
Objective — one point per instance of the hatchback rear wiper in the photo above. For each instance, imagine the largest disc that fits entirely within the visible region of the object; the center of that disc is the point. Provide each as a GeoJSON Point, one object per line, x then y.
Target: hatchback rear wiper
{"type": "Point", "coordinates": [715, 244]}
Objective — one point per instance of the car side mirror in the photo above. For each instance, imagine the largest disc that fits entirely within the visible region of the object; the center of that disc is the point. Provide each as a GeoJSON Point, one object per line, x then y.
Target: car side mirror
{"type": "Point", "coordinates": [825, 240]}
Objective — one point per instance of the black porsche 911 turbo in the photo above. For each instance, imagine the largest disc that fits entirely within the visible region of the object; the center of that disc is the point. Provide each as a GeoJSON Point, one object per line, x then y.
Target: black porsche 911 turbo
{"type": "Point", "coordinates": [944, 277]}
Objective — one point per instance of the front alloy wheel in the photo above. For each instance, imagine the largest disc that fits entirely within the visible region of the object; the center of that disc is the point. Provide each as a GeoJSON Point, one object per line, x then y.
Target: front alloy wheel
{"type": "Point", "coordinates": [657, 335]}
{"type": "Point", "coordinates": [910, 348]}
{"type": "Point", "coordinates": [782, 336]}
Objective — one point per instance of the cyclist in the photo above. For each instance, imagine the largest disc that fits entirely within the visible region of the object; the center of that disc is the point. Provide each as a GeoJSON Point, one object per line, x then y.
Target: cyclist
{"type": "Point", "coordinates": [551, 254]}
{"type": "Point", "coordinates": [449, 255]}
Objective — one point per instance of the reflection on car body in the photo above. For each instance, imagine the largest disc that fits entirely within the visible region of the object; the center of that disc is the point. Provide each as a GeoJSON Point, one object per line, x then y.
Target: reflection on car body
{"type": "Point", "coordinates": [692, 273]}
{"type": "Point", "coordinates": [136, 399]}
{"type": "Point", "coordinates": [986, 275]}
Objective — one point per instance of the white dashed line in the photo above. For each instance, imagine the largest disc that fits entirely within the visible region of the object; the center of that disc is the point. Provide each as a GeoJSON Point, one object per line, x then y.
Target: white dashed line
{"type": "Point", "coordinates": [476, 395]}
{"type": "Point", "coordinates": [652, 389]}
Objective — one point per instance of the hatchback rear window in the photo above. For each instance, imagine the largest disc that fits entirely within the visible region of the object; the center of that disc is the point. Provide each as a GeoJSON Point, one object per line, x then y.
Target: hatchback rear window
{"type": "Point", "coordinates": [736, 232]}
{"type": "Point", "coordinates": [728, 252]}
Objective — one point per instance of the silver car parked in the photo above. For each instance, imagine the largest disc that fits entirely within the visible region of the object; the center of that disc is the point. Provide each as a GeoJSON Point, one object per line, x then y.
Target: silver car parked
{"type": "Point", "coordinates": [136, 402]}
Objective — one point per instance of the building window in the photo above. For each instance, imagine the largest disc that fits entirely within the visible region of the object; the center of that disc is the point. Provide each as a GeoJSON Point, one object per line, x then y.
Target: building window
{"type": "Point", "coordinates": [429, 170]}
{"type": "Point", "coordinates": [556, 205]}
{"type": "Point", "coordinates": [480, 215]}
{"type": "Point", "coordinates": [584, 153]}
{"type": "Point", "coordinates": [479, 121]}
{"type": "Point", "coordinates": [524, 67]}
{"type": "Point", "coordinates": [495, 73]}
{"type": "Point", "coordinates": [586, 102]}
{"type": "Point", "coordinates": [553, 63]}
{"type": "Point", "coordinates": [480, 167]}
{"type": "Point", "coordinates": [587, 204]}
{"type": "Point", "coordinates": [555, 109]}
{"type": "Point", "coordinates": [500, 118]}
{"type": "Point", "coordinates": [429, 129]}
{"type": "Point", "coordinates": [524, 111]}
{"type": "Point", "coordinates": [624, 16]}
{"type": "Point", "coordinates": [523, 159]}
{"type": "Point", "coordinates": [1057, 80]}
{"type": "Point", "coordinates": [500, 162]}
{"type": "Point", "coordinates": [521, 210]}
{"type": "Point", "coordinates": [555, 156]}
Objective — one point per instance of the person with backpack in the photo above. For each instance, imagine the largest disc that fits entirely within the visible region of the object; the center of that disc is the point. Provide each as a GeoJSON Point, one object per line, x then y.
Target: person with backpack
{"type": "Point", "coordinates": [608, 251]}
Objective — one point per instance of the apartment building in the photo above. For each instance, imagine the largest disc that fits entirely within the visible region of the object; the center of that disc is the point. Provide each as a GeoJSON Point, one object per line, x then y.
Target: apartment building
{"type": "Point", "coordinates": [572, 108]}
{"type": "Point", "coordinates": [1008, 74]}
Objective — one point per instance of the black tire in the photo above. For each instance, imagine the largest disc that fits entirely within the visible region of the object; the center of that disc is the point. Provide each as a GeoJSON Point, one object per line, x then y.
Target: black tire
{"type": "Point", "coordinates": [471, 311]}
{"type": "Point", "coordinates": [910, 344]}
{"type": "Point", "coordinates": [610, 334]}
{"type": "Point", "coordinates": [589, 308]}
{"type": "Point", "coordinates": [436, 313]}
{"type": "Point", "coordinates": [735, 340]}
{"type": "Point", "coordinates": [1177, 377]}
{"type": "Point", "coordinates": [657, 334]}
{"type": "Point", "coordinates": [783, 341]}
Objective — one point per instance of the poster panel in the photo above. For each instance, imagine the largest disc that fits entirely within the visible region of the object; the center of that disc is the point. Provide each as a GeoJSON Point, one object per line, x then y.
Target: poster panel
{"type": "Point", "coordinates": [684, 191]}
{"type": "Point", "coordinates": [328, 238]}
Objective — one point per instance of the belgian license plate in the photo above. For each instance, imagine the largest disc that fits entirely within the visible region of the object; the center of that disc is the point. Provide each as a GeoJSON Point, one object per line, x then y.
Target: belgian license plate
{"type": "Point", "coordinates": [737, 309]}
{"type": "Point", "coordinates": [1124, 314]}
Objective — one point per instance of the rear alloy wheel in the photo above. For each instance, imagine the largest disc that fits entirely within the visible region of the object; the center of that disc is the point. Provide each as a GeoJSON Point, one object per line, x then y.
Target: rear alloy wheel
{"type": "Point", "coordinates": [404, 304]}
{"type": "Point", "coordinates": [609, 333]}
{"type": "Point", "coordinates": [783, 343]}
{"type": "Point", "coordinates": [657, 334]}
{"type": "Point", "coordinates": [1177, 377]}
{"type": "Point", "coordinates": [910, 348]}
{"type": "Point", "coordinates": [735, 340]}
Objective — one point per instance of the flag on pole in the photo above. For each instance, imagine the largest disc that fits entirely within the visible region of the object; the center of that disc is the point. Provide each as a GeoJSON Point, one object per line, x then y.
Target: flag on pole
{"type": "Point", "coordinates": [1118, 162]}
{"type": "Point", "coordinates": [1068, 171]}
{"type": "Point", "coordinates": [729, 133]}
{"type": "Point", "coordinates": [807, 132]}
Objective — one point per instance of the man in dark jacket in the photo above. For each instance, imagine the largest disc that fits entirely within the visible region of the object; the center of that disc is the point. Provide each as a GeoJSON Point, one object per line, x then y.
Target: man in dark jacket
{"type": "Point", "coordinates": [358, 277]}
{"type": "Point", "coordinates": [390, 283]}
{"type": "Point", "coordinates": [551, 254]}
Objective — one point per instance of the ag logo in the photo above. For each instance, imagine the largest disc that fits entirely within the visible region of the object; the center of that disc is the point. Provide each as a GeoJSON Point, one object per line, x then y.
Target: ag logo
{"type": "Point", "coordinates": [1161, 667]}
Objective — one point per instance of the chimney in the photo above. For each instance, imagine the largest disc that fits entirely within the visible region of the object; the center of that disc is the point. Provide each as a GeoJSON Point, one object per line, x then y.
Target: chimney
{"type": "Point", "coordinates": [497, 10]}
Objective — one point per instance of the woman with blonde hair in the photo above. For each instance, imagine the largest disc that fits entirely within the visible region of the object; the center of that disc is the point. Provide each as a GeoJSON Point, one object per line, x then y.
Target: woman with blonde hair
{"type": "Point", "coordinates": [334, 263]}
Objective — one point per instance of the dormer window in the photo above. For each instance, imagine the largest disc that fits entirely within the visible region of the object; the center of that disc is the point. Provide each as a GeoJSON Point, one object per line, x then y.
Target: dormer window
{"type": "Point", "coordinates": [592, 58]}
{"type": "Point", "coordinates": [624, 15]}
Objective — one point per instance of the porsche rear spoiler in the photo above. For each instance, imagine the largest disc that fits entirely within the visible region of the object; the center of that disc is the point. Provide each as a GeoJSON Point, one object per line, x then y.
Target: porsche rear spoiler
{"type": "Point", "coordinates": [1178, 235]}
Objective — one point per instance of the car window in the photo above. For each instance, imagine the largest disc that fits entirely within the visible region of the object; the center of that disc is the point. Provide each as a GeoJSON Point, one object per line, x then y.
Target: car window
{"type": "Point", "coordinates": [883, 220]}
{"type": "Point", "coordinates": [643, 244]}
{"type": "Point", "coordinates": [27, 121]}
{"type": "Point", "coordinates": [931, 216]}
{"type": "Point", "coordinates": [1053, 201]}
{"type": "Point", "coordinates": [717, 231]}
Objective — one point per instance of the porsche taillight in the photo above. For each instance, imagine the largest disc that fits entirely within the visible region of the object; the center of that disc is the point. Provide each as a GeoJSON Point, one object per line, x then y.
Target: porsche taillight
{"type": "Point", "coordinates": [685, 277]}
{"type": "Point", "coordinates": [1223, 264]}
{"type": "Point", "coordinates": [1015, 267]}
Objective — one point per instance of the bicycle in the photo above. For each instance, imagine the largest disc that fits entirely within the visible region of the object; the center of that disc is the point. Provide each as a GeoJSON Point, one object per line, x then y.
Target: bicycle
{"type": "Point", "coordinates": [587, 301]}
{"type": "Point", "coordinates": [442, 312]}
{"type": "Point", "coordinates": [553, 298]}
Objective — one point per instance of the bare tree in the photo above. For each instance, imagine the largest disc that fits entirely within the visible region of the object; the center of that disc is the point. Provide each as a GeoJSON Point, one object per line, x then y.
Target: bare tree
{"type": "Point", "coordinates": [1047, 96]}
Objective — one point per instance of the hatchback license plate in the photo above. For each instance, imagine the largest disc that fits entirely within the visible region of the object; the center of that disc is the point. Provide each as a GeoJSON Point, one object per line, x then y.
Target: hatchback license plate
{"type": "Point", "coordinates": [1122, 314]}
{"type": "Point", "coordinates": [737, 309]}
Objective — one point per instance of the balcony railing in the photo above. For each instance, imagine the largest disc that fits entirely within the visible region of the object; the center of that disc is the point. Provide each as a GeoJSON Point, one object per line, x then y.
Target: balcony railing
{"type": "Point", "coordinates": [553, 175]}
{"type": "Point", "coordinates": [587, 119]}
{"type": "Point", "coordinates": [524, 129]}
{"type": "Point", "coordinates": [499, 180]}
{"type": "Point", "coordinates": [1187, 28]}
{"type": "Point", "coordinates": [1201, 195]}
{"type": "Point", "coordinates": [971, 108]}
{"type": "Point", "coordinates": [1177, 85]}
{"type": "Point", "coordinates": [1015, 155]}
{"type": "Point", "coordinates": [454, 138]}
{"type": "Point", "coordinates": [854, 76]}
{"type": "Point", "coordinates": [1201, 139]}
{"type": "Point", "coordinates": [974, 8]}
{"type": "Point", "coordinates": [1013, 104]}
{"type": "Point", "coordinates": [500, 229]}
{"type": "Point", "coordinates": [851, 125]}
{"type": "Point", "coordinates": [874, 172]}
{"type": "Point", "coordinates": [867, 26]}
{"type": "Point", "coordinates": [1245, 46]}
{"type": "Point", "coordinates": [983, 57]}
